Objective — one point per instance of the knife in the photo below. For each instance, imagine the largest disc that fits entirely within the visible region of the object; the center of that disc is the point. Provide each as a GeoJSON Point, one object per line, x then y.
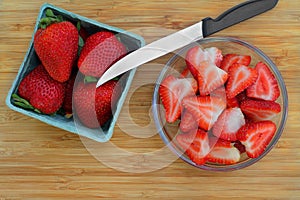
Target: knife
{"type": "Point", "coordinates": [179, 39]}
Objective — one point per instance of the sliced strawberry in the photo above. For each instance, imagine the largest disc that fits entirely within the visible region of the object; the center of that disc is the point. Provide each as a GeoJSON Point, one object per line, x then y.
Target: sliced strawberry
{"type": "Point", "coordinates": [215, 55]}
{"type": "Point", "coordinates": [237, 144]}
{"type": "Point", "coordinates": [228, 124]}
{"type": "Point", "coordinates": [209, 77]}
{"type": "Point", "coordinates": [195, 144]}
{"type": "Point", "coordinates": [221, 93]}
{"type": "Point", "coordinates": [260, 109]}
{"type": "Point", "coordinates": [266, 86]}
{"type": "Point", "coordinates": [188, 122]}
{"type": "Point", "coordinates": [240, 77]}
{"type": "Point", "coordinates": [230, 59]}
{"type": "Point", "coordinates": [206, 110]}
{"type": "Point", "coordinates": [256, 137]}
{"type": "Point", "coordinates": [242, 96]}
{"type": "Point", "coordinates": [196, 55]}
{"type": "Point", "coordinates": [205, 71]}
{"type": "Point", "coordinates": [172, 90]}
{"type": "Point", "coordinates": [185, 73]}
{"type": "Point", "coordinates": [232, 103]}
{"type": "Point", "coordinates": [223, 152]}
{"type": "Point", "coordinates": [193, 58]}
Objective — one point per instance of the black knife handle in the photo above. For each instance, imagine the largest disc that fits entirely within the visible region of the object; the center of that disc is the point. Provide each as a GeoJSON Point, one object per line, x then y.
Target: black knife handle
{"type": "Point", "coordinates": [236, 14]}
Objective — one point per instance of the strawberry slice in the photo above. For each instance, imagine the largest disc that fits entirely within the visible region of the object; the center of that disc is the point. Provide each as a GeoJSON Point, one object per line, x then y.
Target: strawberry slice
{"type": "Point", "coordinates": [188, 122]}
{"type": "Point", "coordinates": [172, 90]}
{"type": "Point", "coordinates": [237, 144]}
{"type": "Point", "coordinates": [204, 70]}
{"type": "Point", "coordinates": [240, 77]}
{"type": "Point", "coordinates": [232, 103]}
{"type": "Point", "coordinates": [195, 144]}
{"type": "Point", "coordinates": [223, 152]}
{"type": "Point", "coordinates": [256, 136]}
{"type": "Point", "coordinates": [242, 96]}
{"type": "Point", "coordinates": [196, 55]}
{"type": "Point", "coordinates": [185, 73]}
{"type": "Point", "coordinates": [230, 59]}
{"type": "Point", "coordinates": [266, 86]}
{"type": "Point", "coordinates": [260, 109]}
{"type": "Point", "coordinates": [215, 55]}
{"type": "Point", "coordinates": [209, 77]}
{"type": "Point", "coordinates": [205, 110]}
{"type": "Point", "coordinates": [221, 93]}
{"type": "Point", "coordinates": [228, 124]}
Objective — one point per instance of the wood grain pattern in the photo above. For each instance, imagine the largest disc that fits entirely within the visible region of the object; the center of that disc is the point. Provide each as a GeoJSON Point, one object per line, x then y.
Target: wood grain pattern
{"type": "Point", "coordinates": [42, 162]}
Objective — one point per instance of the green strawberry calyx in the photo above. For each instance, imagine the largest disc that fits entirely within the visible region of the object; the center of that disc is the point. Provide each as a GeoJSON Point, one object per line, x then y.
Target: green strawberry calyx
{"type": "Point", "coordinates": [23, 103]}
{"type": "Point", "coordinates": [80, 41]}
{"type": "Point", "coordinates": [90, 79]}
{"type": "Point", "coordinates": [50, 18]}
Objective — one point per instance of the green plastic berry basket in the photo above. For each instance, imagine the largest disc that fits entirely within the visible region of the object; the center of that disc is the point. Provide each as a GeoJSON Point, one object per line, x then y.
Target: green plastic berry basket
{"type": "Point", "coordinates": [131, 41]}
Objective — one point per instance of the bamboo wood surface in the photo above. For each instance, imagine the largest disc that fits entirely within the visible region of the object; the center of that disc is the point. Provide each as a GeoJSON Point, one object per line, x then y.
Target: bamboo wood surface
{"type": "Point", "coordinates": [38, 161]}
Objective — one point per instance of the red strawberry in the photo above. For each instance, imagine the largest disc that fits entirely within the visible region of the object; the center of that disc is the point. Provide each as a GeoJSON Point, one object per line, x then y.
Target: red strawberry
{"type": "Point", "coordinates": [188, 122]}
{"type": "Point", "coordinates": [195, 144]}
{"type": "Point", "coordinates": [232, 103]}
{"type": "Point", "coordinates": [206, 110]}
{"type": "Point", "coordinates": [228, 124]}
{"type": "Point", "coordinates": [99, 52]}
{"type": "Point", "coordinates": [223, 152]}
{"type": "Point", "coordinates": [260, 109]}
{"type": "Point", "coordinates": [266, 86]}
{"type": "Point", "coordinates": [256, 136]}
{"type": "Point", "coordinates": [83, 33]}
{"type": "Point", "coordinates": [42, 92]}
{"type": "Point", "coordinates": [185, 73]}
{"type": "Point", "coordinates": [172, 90]}
{"type": "Point", "coordinates": [240, 77]}
{"type": "Point", "coordinates": [215, 55]}
{"type": "Point", "coordinates": [94, 106]}
{"type": "Point", "coordinates": [67, 104]}
{"type": "Point", "coordinates": [242, 96]}
{"type": "Point", "coordinates": [196, 55]}
{"type": "Point", "coordinates": [204, 70]}
{"type": "Point", "coordinates": [221, 93]}
{"type": "Point", "coordinates": [57, 46]}
{"type": "Point", "coordinates": [230, 59]}
{"type": "Point", "coordinates": [237, 144]}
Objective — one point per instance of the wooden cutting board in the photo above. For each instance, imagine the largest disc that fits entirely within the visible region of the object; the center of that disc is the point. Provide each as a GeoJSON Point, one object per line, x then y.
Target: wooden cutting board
{"type": "Point", "coordinates": [42, 162]}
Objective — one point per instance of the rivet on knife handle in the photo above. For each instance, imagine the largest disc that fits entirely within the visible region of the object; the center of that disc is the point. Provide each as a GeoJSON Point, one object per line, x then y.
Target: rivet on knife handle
{"type": "Point", "coordinates": [236, 14]}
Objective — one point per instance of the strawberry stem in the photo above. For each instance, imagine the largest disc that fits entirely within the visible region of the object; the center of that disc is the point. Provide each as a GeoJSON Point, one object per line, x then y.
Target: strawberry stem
{"type": "Point", "coordinates": [80, 45]}
{"type": "Point", "coordinates": [90, 79]}
{"type": "Point", "coordinates": [49, 18]}
{"type": "Point", "coordinates": [78, 26]}
{"type": "Point", "coordinates": [80, 41]}
{"type": "Point", "coordinates": [116, 78]}
{"type": "Point", "coordinates": [23, 103]}
{"type": "Point", "coordinates": [49, 13]}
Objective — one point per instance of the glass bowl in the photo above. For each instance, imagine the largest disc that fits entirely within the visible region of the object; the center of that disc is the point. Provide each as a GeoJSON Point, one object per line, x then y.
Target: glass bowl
{"type": "Point", "coordinates": [177, 64]}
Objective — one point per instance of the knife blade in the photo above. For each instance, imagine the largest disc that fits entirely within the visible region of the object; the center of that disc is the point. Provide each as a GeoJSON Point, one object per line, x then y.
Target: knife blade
{"type": "Point", "coordinates": [204, 28]}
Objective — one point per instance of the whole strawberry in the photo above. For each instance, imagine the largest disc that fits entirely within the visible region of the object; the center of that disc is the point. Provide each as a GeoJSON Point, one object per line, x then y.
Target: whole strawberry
{"type": "Point", "coordinates": [41, 91]}
{"type": "Point", "coordinates": [99, 52]}
{"type": "Point", "coordinates": [67, 104]}
{"type": "Point", "coordinates": [94, 106]}
{"type": "Point", "coordinates": [56, 45]}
